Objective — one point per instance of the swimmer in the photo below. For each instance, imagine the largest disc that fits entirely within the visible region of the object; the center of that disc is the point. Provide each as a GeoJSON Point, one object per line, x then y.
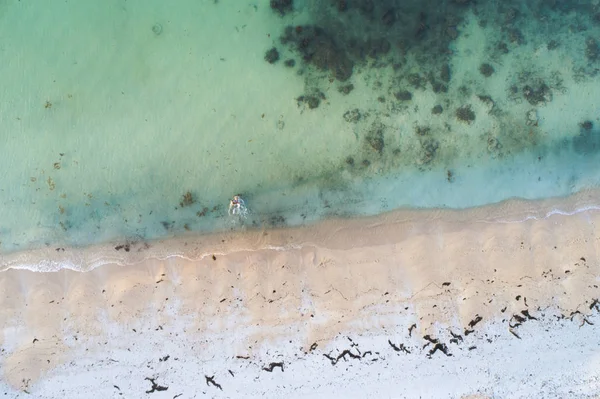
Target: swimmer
{"type": "Point", "coordinates": [236, 205]}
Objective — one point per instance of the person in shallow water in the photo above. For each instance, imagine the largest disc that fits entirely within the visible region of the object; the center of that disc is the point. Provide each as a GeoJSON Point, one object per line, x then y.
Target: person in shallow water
{"type": "Point", "coordinates": [237, 206]}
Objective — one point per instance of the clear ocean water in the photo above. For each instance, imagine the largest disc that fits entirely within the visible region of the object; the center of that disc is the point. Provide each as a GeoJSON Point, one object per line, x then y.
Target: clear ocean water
{"type": "Point", "coordinates": [140, 119]}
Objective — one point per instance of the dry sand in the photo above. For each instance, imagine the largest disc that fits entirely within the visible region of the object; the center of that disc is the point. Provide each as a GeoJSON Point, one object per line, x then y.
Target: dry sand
{"type": "Point", "coordinates": [511, 303]}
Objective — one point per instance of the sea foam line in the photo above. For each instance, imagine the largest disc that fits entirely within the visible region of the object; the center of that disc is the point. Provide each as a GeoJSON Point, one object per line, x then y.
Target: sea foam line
{"type": "Point", "coordinates": [49, 266]}
{"type": "Point", "coordinates": [549, 214]}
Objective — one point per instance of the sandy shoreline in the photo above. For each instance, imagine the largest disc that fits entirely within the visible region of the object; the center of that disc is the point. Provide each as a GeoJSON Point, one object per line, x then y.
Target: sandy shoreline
{"type": "Point", "coordinates": [329, 233]}
{"type": "Point", "coordinates": [451, 274]}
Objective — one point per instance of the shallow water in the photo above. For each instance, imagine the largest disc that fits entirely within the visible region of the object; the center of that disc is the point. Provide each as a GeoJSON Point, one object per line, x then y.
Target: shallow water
{"type": "Point", "coordinates": [114, 111]}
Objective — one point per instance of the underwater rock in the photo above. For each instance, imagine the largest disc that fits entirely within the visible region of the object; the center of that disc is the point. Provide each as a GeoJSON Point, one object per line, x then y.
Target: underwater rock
{"type": "Point", "coordinates": [488, 101]}
{"type": "Point", "coordinates": [422, 130]}
{"type": "Point", "coordinates": [282, 6]}
{"type": "Point", "coordinates": [516, 36]}
{"type": "Point", "coordinates": [592, 50]}
{"type": "Point", "coordinates": [350, 161]}
{"type": "Point", "coordinates": [452, 32]}
{"type": "Point", "coordinates": [510, 15]}
{"type": "Point", "coordinates": [366, 7]}
{"type": "Point", "coordinates": [353, 115]}
{"type": "Point", "coordinates": [502, 48]}
{"type": "Point", "coordinates": [187, 199]}
{"type": "Point", "coordinates": [375, 48]}
{"type": "Point", "coordinates": [290, 63]}
{"type": "Point", "coordinates": [389, 17]}
{"type": "Point", "coordinates": [493, 145]}
{"type": "Point", "coordinates": [340, 5]}
{"type": "Point", "coordinates": [445, 73]}
{"type": "Point", "coordinates": [430, 147]}
{"type": "Point", "coordinates": [587, 142]}
{"type": "Point", "coordinates": [311, 101]}
{"type": "Point", "coordinates": [375, 138]}
{"type": "Point", "coordinates": [465, 114]}
{"type": "Point", "coordinates": [552, 44]}
{"type": "Point", "coordinates": [346, 89]}
{"type": "Point", "coordinates": [531, 118]}
{"type": "Point", "coordinates": [437, 110]}
{"type": "Point", "coordinates": [586, 125]}
{"type": "Point", "coordinates": [276, 221]}
{"type": "Point", "coordinates": [486, 70]}
{"type": "Point", "coordinates": [403, 95]}
{"type": "Point", "coordinates": [319, 48]}
{"type": "Point", "coordinates": [422, 26]}
{"type": "Point", "coordinates": [536, 96]}
{"type": "Point", "coordinates": [376, 142]}
{"type": "Point", "coordinates": [272, 56]}
{"type": "Point", "coordinates": [157, 29]}
{"type": "Point", "coordinates": [438, 87]}
{"type": "Point", "coordinates": [417, 81]}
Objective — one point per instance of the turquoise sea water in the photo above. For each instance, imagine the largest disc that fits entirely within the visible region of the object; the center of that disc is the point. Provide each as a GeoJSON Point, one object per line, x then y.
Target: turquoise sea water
{"type": "Point", "coordinates": [140, 119]}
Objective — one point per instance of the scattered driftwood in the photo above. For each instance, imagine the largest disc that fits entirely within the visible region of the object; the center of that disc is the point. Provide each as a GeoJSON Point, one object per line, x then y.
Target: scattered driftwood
{"type": "Point", "coordinates": [431, 340]}
{"type": "Point", "coordinates": [441, 347]}
{"type": "Point", "coordinates": [398, 348]}
{"type": "Point", "coordinates": [335, 360]}
{"type": "Point", "coordinates": [211, 380]}
{"type": "Point", "coordinates": [456, 338]}
{"type": "Point", "coordinates": [526, 314]}
{"type": "Point", "coordinates": [411, 328]}
{"type": "Point", "coordinates": [155, 386]}
{"type": "Point", "coordinates": [273, 365]}
{"type": "Point", "coordinates": [585, 320]}
{"type": "Point", "coordinates": [519, 320]}
{"type": "Point", "coordinates": [476, 320]}
{"type": "Point", "coordinates": [514, 333]}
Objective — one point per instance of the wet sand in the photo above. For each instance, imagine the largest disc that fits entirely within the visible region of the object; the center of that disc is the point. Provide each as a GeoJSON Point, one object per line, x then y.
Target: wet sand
{"type": "Point", "coordinates": [476, 300]}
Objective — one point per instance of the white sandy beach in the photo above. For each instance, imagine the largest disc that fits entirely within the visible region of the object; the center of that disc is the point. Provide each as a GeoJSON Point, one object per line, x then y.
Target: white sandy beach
{"type": "Point", "coordinates": [511, 303]}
